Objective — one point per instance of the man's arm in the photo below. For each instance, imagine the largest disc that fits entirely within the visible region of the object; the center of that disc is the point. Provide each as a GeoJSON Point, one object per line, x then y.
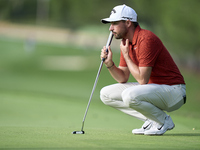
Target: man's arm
{"type": "Point", "coordinates": [120, 74]}
{"type": "Point", "coordinates": [141, 74]}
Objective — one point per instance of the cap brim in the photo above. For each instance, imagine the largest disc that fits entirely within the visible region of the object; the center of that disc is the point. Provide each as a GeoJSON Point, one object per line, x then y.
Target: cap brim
{"type": "Point", "coordinates": [109, 20]}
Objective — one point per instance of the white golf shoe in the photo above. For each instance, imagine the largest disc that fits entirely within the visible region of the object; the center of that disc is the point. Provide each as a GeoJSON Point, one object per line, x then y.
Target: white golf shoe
{"type": "Point", "coordinates": [157, 129]}
{"type": "Point", "coordinates": [146, 126]}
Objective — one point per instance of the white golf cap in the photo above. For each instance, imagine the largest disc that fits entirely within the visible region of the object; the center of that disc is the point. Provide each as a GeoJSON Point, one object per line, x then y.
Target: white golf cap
{"type": "Point", "coordinates": [121, 12]}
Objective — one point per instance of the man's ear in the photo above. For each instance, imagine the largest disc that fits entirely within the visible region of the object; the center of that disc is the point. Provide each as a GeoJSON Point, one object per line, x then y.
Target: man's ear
{"type": "Point", "coordinates": [128, 23]}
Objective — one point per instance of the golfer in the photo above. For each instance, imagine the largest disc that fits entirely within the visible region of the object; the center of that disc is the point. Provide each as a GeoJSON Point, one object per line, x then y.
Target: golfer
{"type": "Point", "coordinates": [160, 87]}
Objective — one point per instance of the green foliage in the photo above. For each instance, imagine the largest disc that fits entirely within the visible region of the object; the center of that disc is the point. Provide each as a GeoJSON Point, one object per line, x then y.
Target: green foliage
{"type": "Point", "coordinates": [174, 21]}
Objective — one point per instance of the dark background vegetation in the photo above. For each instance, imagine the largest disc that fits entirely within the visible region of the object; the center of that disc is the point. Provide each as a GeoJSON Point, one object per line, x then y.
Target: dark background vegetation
{"type": "Point", "coordinates": [176, 22]}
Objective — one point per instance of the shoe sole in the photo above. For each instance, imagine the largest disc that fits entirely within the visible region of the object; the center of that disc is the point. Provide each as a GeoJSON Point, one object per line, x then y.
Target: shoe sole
{"type": "Point", "coordinates": [171, 127]}
{"type": "Point", "coordinates": [142, 133]}
{"type": "Point", "coordinates": [138, 133]}
{"type": "Point", "coordinates": [160, 134]}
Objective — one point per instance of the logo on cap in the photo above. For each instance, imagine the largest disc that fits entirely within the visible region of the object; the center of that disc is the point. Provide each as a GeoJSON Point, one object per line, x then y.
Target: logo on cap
{"type": "Point", "coordinates": [127, 18]}
{"type": "Point", "coordinates": [113, 11]}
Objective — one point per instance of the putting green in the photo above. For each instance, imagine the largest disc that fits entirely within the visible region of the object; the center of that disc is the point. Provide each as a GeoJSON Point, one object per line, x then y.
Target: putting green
{"type": "Point", "coordinates": [39, 109]}
{"type": "Point", "coordinates": [46, 121]}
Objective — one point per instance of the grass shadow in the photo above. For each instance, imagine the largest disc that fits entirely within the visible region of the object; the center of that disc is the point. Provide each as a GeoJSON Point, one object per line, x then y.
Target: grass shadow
{"type": "Point", "coordinates": [183, 134]}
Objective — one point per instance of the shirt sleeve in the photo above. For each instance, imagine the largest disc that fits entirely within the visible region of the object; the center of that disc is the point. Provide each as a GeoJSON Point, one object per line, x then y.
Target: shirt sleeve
{"type": "Point", "coordinates": [122, 62]}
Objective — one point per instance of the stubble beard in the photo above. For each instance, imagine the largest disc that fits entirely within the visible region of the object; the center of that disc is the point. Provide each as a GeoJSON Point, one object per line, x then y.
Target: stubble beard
{"type": "Point", "coordinates": [122, 34]}
{"type": "Point", "coordinates": [118, 36]}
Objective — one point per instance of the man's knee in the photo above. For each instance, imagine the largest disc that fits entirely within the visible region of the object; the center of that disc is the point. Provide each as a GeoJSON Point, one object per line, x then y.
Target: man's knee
{"type": "Point", "coordinates": [104, 96]}
{"type": "Point", "coordinates": [111, 95]}
{"type": "Point", "coordinates": [130, 97]}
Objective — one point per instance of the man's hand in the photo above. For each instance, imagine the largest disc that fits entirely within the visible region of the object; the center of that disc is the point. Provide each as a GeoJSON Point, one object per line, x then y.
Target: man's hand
{"type": "Point", "coordinates": [107, 55]}
{"type": "Point", "coordinates": [124, 47]}
{"type": "Point", "coordinates": [120, 74]}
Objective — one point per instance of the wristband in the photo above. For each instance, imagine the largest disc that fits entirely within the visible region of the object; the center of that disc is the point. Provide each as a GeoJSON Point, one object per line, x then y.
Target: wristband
{"type": "Point", "coordinates": [111, 66]}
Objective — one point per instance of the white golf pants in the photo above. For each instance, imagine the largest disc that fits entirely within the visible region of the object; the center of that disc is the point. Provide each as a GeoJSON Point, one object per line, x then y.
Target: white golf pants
{"type": "Point", "coordinates": [147, 101]}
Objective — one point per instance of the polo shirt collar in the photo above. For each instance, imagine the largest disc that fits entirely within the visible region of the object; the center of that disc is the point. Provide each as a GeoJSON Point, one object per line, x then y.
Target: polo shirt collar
{"type": "Point", "coordinates": [135, 35]}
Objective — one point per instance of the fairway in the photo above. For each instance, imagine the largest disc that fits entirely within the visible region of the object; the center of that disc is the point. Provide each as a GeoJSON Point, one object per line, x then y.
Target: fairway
{"type": "Point", "coordinates": [40, 107]}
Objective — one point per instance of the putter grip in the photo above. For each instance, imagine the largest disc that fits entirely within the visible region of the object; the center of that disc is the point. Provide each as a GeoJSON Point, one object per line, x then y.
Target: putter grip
{"type": "Point", "coordinates": [108, 43]}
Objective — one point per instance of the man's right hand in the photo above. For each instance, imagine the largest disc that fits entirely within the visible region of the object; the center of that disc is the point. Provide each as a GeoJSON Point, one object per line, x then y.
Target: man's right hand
{"type": "Point", "coordinates": [107, 56]}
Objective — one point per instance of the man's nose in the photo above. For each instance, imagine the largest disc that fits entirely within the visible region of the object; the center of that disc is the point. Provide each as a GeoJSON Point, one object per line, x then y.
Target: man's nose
{"type": "Point", "coordinates": [111, 28]}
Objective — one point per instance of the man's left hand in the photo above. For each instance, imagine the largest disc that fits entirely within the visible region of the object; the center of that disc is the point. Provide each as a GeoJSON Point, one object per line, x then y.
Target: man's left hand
{"type": "Point", "coordinates": [124, 47]}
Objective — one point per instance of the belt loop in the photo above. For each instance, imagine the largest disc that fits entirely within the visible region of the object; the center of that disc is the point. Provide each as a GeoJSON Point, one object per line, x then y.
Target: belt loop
{"type": "Point", "coordinates": [184, 99]}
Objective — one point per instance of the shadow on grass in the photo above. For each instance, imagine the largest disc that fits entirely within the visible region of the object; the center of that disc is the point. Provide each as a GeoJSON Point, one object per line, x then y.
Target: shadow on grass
{"type": "Point", "coordinates": [183, 134]}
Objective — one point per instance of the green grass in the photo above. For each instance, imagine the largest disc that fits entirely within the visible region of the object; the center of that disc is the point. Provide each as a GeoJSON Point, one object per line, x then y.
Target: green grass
{"type": "Point", "coordinates": [39, 109]}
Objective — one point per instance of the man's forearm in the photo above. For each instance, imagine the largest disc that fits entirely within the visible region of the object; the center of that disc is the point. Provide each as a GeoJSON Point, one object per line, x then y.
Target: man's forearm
{"type": "Point", "coordinates": [141, 74]}
{"type": "Point", "coordinates": [118, 74]}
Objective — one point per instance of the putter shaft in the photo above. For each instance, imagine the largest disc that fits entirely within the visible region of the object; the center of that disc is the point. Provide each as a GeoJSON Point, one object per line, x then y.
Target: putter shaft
{"type": "Point", "coordinates": [97, 77]}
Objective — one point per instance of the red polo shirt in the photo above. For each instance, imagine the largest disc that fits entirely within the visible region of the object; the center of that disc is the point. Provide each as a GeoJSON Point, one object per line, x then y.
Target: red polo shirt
{"type": "Point", "coordinates": [147, 50]}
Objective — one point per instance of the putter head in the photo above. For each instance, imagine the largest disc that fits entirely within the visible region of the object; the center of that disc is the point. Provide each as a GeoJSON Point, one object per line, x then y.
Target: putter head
{"type": "Point", "coordinates": [78, 132]}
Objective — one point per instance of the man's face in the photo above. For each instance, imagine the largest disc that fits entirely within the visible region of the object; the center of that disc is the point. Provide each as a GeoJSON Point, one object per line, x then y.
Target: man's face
{"type": "Point", "coordinates": [119, 29]}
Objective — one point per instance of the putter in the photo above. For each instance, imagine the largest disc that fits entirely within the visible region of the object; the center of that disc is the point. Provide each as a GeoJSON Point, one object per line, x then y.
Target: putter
{"type": "Point", "coordinates": [94, 86]}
